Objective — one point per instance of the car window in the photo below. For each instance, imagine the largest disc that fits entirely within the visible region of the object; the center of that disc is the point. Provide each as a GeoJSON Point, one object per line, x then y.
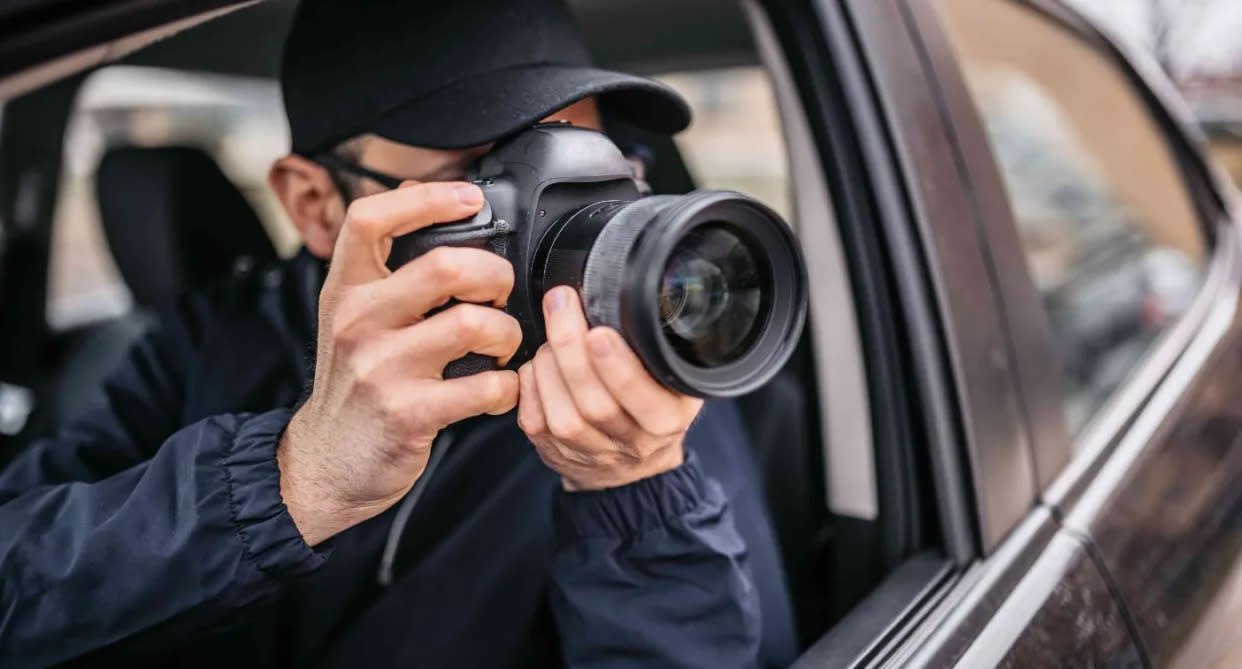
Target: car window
{"type": "Point", "coordinates": [237, 121]}
{"type": "Point", "coordinates": [1109, 230]}
{"type": "Point", "coordinates": [735, 142]}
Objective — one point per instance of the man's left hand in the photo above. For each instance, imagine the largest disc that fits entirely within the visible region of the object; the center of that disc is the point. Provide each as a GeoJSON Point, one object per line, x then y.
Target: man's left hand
{"type": "Point", "coordinates": [591, 409]}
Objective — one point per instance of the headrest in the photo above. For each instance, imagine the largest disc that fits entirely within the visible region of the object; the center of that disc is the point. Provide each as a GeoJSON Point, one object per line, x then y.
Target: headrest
{"type": "Point", "coordinates": [174, 221]}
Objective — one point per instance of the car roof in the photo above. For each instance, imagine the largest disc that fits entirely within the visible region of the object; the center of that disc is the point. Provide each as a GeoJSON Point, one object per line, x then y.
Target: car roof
{"type": "Point", "coordinates": [45, 40]}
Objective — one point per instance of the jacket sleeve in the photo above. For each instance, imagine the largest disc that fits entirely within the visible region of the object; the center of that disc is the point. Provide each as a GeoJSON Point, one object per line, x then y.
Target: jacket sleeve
{"type": "Point", "coordinates": [654, 574]}
{"type": "Point", "coordinates": [127, 522]}
{"type": "Point", "coordinates": [178, 541]}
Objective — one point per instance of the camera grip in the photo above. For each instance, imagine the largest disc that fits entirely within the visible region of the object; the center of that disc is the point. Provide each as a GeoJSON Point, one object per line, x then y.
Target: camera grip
{"type": "Point", "coordinates": [471, 363]}
{"type": "Point", "coordinates": [480, 231]}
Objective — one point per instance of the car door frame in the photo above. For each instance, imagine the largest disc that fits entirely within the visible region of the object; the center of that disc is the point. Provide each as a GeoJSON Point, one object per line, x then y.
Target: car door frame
{"type": "Point", "coordinates": [855, 66]}
{"type": "Point", "coordinates": [1137, 432]}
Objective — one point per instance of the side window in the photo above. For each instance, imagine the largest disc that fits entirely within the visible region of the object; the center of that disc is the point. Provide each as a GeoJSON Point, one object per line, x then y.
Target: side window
{"type": "Point", "coordinates": [238, 122]}
{"type": "Point", "coordinates": [1110, 233]}
{"type": "Point", "coordinates": [735, 142]}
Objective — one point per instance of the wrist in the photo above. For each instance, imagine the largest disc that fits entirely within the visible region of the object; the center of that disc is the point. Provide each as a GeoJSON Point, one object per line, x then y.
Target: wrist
{"type": "Point", "coordinates": [309, 500]}
{"type": "Point", "coordinates": [666, 459]}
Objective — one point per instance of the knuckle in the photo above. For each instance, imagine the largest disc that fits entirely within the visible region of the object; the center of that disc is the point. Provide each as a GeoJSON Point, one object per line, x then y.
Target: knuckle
{"type": "Point", "coordinates": [394, 410]}
{"type": "Point", "coordinates": [364, 369]}
{"type": "Point", "coordinates": [362, 214]}
{"type": "Point", "coordinates": [664, 426]}
{"type": "Point", "coordinates": [568, 426]}
{"type": "Point", "coordinates": [495, 388]}
{"type": "Point", "coordinates": [371, 389]}
{"type": "Point", "coordinates": [443, 265]}
{"type": "Point", "coordinates": [625, 379]}
{"type": "Point", "coordinates": [644, 448]}
{"type": "Point", "coordinates": [513, 336]}
{"type": "Point", "coordinates": [601, 411]}
{"type": "Point", "coordinates": [347, 335]}
{"type": "Point", "coordinates": [469, 323]}
{"type": "Point", "coordinates": [560, 340]}
{"type": "Point", "coordinates": [532, 425]}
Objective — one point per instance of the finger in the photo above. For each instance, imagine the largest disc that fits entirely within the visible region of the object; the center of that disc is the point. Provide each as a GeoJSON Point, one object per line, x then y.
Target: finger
{"type": "Point", "coordinates": [432, 279]}
{"type": "Point", "coordinates": [460, 329]}
{"type": "Point", "coordinates": [371, 222]}
{"type": "Point", "coordinates": [656, 409]}
{"type": "Point", "coordinates": [566, 333]}
{"type": "Point", "coordinates": [530, 408]}
{"type": "Point", "coordinates": [559, 411]}
{"type": "Point", "coordinates": [451, 400]}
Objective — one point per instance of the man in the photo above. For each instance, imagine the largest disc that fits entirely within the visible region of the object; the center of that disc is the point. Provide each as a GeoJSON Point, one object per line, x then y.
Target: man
{"type": "Point", "coordinates": [207, 516]}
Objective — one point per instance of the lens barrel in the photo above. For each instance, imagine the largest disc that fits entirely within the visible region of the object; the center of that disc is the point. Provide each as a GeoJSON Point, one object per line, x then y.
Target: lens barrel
{"type": "Point", "coordinates": [708, 288]}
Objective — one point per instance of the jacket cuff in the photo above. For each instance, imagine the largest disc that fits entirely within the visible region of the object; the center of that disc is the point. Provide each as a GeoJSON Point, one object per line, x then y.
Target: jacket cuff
{"type": "Point", "coordinates": [267, 531]}
{"type": "Point", "coordinates": [641, 506]}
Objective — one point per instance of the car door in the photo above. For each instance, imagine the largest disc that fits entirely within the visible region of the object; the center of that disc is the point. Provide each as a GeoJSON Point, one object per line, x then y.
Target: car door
{"type": "Point", "coordinates": [904, 211]}
{"type": "Point", "coordinates": [1116, 262]}
{"type": "Point", "coordinates": [1072, 341]}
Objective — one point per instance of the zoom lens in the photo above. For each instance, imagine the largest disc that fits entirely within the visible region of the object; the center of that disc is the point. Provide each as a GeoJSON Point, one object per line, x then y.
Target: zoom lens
{"type": "Point", "coordinates": [711, 293]}
{"type": "Point", "coordinates": [708, 288]}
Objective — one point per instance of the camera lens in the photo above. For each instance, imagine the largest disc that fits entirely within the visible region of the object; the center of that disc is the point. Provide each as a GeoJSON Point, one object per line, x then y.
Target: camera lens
{"type": "Point", "coordinates": [711, 292]}
{"type": "Point", "coordinates": [709, 288]}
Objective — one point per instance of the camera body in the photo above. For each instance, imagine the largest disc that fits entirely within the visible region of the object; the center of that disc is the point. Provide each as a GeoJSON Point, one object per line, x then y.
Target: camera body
{"type": "Point", "coordinates": [708, 288]}
{"type": "Point", "coordinates": [529, 184]}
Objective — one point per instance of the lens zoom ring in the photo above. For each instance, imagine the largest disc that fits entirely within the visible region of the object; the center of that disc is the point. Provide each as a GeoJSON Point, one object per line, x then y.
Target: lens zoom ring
{"type": "Point", "coordinates": [606, 266]}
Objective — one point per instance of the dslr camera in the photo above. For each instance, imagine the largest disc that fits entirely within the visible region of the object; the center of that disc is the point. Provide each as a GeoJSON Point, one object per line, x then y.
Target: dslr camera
{"type": "Point", "coordinates": [709, 288]}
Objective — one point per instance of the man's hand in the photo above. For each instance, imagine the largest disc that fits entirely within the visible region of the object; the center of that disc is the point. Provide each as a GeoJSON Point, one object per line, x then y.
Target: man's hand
{"type": "Point", "coordinates": [593, 412]}
{"type": "Point", "coordinates": [363, 436]}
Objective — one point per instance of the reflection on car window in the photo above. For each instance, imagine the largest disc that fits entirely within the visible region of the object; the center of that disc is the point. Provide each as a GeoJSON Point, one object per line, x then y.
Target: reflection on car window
{"type": "Point", "coordinates": [238, 121]}
{"type": "Point", "coordinates": [1109, 231]}
{"type": "Point", "coordinates": [735, 142]}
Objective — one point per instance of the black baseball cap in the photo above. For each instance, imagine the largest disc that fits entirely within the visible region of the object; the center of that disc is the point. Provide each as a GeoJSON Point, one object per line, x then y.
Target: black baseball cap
{"type": "Point", "coordinates": [449, 74]}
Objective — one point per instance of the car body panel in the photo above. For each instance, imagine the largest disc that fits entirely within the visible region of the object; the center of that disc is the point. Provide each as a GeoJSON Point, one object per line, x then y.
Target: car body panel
{"type": "Point", "coordinates": [1063, 612]}
{"type": "Point", "coordinates": [1151, 499]}
{"type": "Point", "coordinates": [993, 429]}
{"type": "Point", "coordinates": [1165, 513]}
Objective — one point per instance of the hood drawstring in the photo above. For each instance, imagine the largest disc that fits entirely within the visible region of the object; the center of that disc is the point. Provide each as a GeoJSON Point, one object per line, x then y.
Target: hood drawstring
{"type": "Point", "coordinates": [438, 447]}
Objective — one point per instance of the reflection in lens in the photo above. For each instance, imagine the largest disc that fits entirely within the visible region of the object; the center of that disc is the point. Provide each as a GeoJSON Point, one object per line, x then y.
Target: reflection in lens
{"type": "Point", "coordinates": [711, 296]}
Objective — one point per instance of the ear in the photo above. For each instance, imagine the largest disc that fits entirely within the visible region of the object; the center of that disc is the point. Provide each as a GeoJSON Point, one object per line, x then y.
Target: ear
{"type": "Point", "coordinates": [311, 201]}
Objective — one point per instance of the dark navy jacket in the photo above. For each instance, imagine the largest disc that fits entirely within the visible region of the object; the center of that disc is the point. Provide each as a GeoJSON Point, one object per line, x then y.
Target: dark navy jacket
{"type": "Point", "coordinates": [151, 532]}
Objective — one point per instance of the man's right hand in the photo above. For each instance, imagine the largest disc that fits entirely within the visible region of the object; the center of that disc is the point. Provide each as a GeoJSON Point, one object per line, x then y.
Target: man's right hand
{"type": "Point", "coordinates": [362, 438]}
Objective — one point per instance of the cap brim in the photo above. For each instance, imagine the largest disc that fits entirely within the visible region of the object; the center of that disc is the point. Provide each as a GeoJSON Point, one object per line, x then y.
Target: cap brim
{"type": "Point", "coordinates": [484, 108]}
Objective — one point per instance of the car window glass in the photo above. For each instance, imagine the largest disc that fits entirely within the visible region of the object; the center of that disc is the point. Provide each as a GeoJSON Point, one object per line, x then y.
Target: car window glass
{"type": "Point", "coordinates": [237, 121]}
{"type": "Point", "coordinates": [735, 142]}
{"type": "Point", "coordinates": [1108, 227]}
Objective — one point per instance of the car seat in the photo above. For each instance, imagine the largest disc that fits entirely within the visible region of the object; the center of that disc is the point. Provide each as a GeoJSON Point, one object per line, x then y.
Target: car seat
{"type": "Point", "coordinates": [173, 222]}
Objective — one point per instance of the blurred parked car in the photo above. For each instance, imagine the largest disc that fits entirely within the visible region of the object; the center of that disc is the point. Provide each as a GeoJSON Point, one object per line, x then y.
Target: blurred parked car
{"type": "Point", "coordinates": [1011, 433]}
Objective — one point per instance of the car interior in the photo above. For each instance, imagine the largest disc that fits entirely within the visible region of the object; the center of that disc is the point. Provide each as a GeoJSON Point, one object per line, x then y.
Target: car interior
{"type": "Point", "coordinates": [173, 219]}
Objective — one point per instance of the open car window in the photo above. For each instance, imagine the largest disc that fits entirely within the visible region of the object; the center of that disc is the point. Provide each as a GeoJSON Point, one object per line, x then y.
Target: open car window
{"type": "Point", "coordinates": [236, 120]}
{"type": "Point", "coordinates": [735, 142]}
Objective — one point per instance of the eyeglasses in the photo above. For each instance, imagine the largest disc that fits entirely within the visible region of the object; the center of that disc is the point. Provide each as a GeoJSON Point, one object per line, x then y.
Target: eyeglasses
{"type": "Point", "coordinates": [333, 163]}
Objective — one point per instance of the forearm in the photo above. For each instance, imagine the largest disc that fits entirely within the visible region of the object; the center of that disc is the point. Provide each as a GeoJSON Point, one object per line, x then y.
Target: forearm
{"type": "Point", "coordinates": [194, 533]}
{"type": "Point", "coordinates": [654, 573]}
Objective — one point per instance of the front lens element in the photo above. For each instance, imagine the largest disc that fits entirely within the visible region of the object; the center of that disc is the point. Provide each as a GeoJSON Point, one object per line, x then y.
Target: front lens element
{"type": "Point", "coordinates": [712, 296]}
